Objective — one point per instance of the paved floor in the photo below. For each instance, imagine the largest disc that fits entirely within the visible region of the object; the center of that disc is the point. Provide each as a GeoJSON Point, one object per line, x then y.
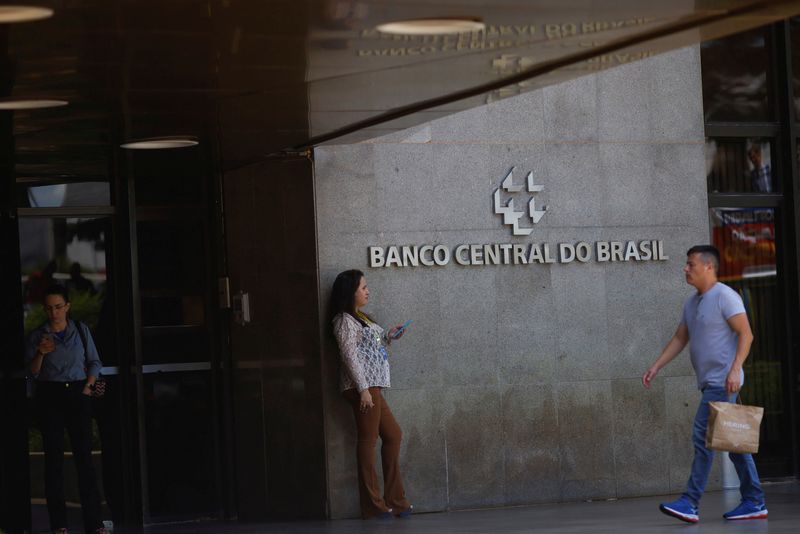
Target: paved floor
{"type": "Point", "coordinates": [627, 515]}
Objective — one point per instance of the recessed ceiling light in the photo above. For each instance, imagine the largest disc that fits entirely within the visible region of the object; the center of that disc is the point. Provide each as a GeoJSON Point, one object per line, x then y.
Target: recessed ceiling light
{"type": "Point", "coordinates": [432, 26]}
{"type": "Point", "coordinates": [31, 104]}
{"type": "Point", "coordinates": [12, 14]}
{"type": "Point", "coordinates": [158, 143]}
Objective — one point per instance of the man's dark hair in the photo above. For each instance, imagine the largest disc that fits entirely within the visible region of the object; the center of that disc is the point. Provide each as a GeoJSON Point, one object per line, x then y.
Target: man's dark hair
{"type": "Point", "coordinates": [343, 296]}
{"type": "Point", "coordinates": [708, 254]}
{"type": "Point", "coordinates": [56, 289]}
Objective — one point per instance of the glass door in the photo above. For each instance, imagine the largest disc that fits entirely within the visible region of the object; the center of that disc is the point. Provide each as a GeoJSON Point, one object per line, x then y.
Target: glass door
{"type": "Point", "coordinates": [176, 354]}
{"type": "Point", "coordinates": [74, 252]}
{"type": "Point", "coordinates": [746, 238]}
{"type": "Point", "coordinates": [747, 222]}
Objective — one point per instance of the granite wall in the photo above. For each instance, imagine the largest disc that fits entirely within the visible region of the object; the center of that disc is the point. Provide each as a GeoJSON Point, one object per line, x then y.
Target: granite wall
{"type": "Point", "coordinates": [521, 383]}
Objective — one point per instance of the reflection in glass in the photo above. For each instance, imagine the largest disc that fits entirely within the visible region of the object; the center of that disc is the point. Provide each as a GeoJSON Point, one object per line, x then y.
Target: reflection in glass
{"type": "Point", "coordinates": [181, 455]}
{"type": "Point", "coordinates": [737, 78]}
{"type": "Point", "coordinates": [71, 252]}
{"type": "Point", "coordinates": [795, 36]}
{"type": "Point", "coordinates": [739, 166]}
{"type": "Point", "coordinates": [746, 240]}
{"type": "Point", "coordinates": [169, 177]}
{"type": "Point", "coordinates": [71, 194]}
{"type": "Point", "coordinates": [75, 253]}
{"type": "Point", "coordinates": [171, 256]}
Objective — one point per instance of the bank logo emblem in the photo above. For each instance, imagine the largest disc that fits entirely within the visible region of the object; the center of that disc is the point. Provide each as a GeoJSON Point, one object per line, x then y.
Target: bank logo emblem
{"type": "Point", "coordinates": [510, 215]}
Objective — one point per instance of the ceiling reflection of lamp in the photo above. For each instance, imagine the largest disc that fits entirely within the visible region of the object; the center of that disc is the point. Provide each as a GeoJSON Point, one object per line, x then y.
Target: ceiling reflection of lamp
{"type": "Point", "coordinates": [440, 26]}
{"type": "Point", "coordinates": [14, 14]}
{"type": "Point", "coordinates": [160, 143]}
{"type": "Point", "coordinates": [20, 104]}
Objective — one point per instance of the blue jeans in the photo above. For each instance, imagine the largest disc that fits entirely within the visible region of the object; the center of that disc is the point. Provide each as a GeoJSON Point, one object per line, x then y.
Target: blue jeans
{"type": "Point", "coordinates": [749, 485]}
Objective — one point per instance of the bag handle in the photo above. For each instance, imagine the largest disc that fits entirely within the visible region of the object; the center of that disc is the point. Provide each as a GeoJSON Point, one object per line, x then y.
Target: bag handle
{"type": "Point", "coordinates": [82, 334]}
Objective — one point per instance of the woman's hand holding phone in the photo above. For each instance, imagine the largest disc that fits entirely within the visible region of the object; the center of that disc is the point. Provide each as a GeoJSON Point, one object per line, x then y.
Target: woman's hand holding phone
{"type": "Point", "coordinates": [398, 331]}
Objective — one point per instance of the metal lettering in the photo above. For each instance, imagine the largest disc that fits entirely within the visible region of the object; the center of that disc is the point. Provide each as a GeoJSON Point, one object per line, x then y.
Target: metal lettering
{"type": "Point", "coordinates": [583, 251]}
{"type": "Point", "coordinates": [425, 261]}
{"type": "Point", "coordinates": [441, 255]}
{"type": "Point", "coordinates": [506, 248]}
{"type": "Point", "coordinates": [410, 256]}
{"type": "Point", "coordinates": [491, 254]}
{"type": "Point", "coordinates": [616, 251]}
{"type": "Point", "coordinates": [631, 252]}
{"type": "Point", "coordinates": [475, 255]}
{"type": "Point", "coordinates": [661, 255]}
{"type": "Point", "coordinates": [603, 253]}
{"type": "Point", "coordinates": [566, 252]}
{"type": "Point", "coordinates": [646, 251]}
{"type": "Point", "coordinates": [460, 249]}
{"type": "Point", "coordinates": [547, 257]}
{"type": "Point", "coordinates": [516, 254]}
{"type": "Point", "coordinates": [535, 254]}
{"type": "Point", "coordinates": [519, 254]}
{"type": "Point", "coordinates": [393, 257]}
{"type": "Point", "coordinates": [376, 257]}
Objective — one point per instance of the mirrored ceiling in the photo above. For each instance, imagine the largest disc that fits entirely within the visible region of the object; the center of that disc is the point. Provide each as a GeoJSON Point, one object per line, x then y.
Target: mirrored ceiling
{"type": "Point", "coordinates": [252, 78]}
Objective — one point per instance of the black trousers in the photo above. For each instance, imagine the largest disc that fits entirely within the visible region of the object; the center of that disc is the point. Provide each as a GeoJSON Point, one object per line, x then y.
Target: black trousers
{"type": "Point", "coordinates": [62, 405]}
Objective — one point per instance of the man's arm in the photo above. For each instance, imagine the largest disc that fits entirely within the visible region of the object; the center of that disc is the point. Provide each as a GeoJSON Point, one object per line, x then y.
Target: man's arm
{"type": "Point", "coordinates": [673, 348]}
{"type": "Point", "coordinates": [741, 326]}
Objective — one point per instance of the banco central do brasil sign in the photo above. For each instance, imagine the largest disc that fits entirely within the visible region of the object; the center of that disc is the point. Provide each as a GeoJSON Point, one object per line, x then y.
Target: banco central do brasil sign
{"type": "Point", "coordinates": [516, 253]}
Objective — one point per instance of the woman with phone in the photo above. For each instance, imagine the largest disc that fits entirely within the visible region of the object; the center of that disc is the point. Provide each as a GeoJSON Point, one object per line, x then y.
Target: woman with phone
{"type": "Point", "coordinates": [61, 355]}
{"type": "Point", "coordinates": [363, 373]}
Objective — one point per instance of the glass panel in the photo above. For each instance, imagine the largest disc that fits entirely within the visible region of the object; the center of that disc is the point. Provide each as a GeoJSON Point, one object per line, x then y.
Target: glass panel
{"type": "Point", "coordinates": [737, 77]}
{"type": "Point", "coordinates": [740, 166]}
{"type": "Point", "coordinates": [181, 344]}
{"type": "Point", "coordinates": [181, 455]}
{"type": "Point", "coordinates": [795, 36]}
{"type": "Point", "coordinates": [169, 177]}
{"type": "Point", "coordinates": [171, 258]}
{"type": "Point", "coordinates": [172, 280]}
{"type": "Point", "coordinates": [74, 252]}
{"type": "Point", "coordinates": [746, 240]}
{"type": "Point", "coordinates": [60, 195]}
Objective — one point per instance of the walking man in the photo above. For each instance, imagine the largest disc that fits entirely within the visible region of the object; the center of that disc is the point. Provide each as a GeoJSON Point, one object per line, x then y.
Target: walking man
{"type": "Point", "coordinates": [716, 328]}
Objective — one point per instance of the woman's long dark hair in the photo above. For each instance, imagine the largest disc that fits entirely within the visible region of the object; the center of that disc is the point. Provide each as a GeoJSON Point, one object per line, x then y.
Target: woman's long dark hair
{"type": "Point", "coordinates": [343, 296]}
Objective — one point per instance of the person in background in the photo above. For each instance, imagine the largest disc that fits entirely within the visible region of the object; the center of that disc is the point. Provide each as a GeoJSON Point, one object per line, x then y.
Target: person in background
{"type": "Point", "coordinates": [78, 282]}
{"type": "Point", "coordinates": [38, 282]}
{"type": "Point", "coordinates": [65, 364]}
{"type": "Point", "coordinates": [761, 174]}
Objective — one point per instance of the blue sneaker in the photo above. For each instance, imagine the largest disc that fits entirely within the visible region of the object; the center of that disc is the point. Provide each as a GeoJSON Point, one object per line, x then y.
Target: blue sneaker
{"type": "Point", "coordinates": [682, 509]}
{"type": "Point", "coordinates": [747, 510]}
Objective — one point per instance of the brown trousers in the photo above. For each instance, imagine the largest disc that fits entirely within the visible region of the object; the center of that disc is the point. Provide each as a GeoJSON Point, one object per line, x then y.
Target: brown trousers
{"type": "Point", "coordinates": [377, 421]}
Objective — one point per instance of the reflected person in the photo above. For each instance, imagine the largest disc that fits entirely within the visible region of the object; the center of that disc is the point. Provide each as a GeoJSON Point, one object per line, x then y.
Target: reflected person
{"type": "Point", "coordinates": [78, 282]}
{"type": "Point", "coordinates": [761, 174]}
{"type": "Point", "coordinates": [66, 365]}
{"type": "Point", "coordinates": [364, 372]}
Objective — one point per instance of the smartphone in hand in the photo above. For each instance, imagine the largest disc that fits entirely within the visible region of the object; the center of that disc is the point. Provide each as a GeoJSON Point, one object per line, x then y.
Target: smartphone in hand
{"type": "Point", "coordinates": [401, 329]}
